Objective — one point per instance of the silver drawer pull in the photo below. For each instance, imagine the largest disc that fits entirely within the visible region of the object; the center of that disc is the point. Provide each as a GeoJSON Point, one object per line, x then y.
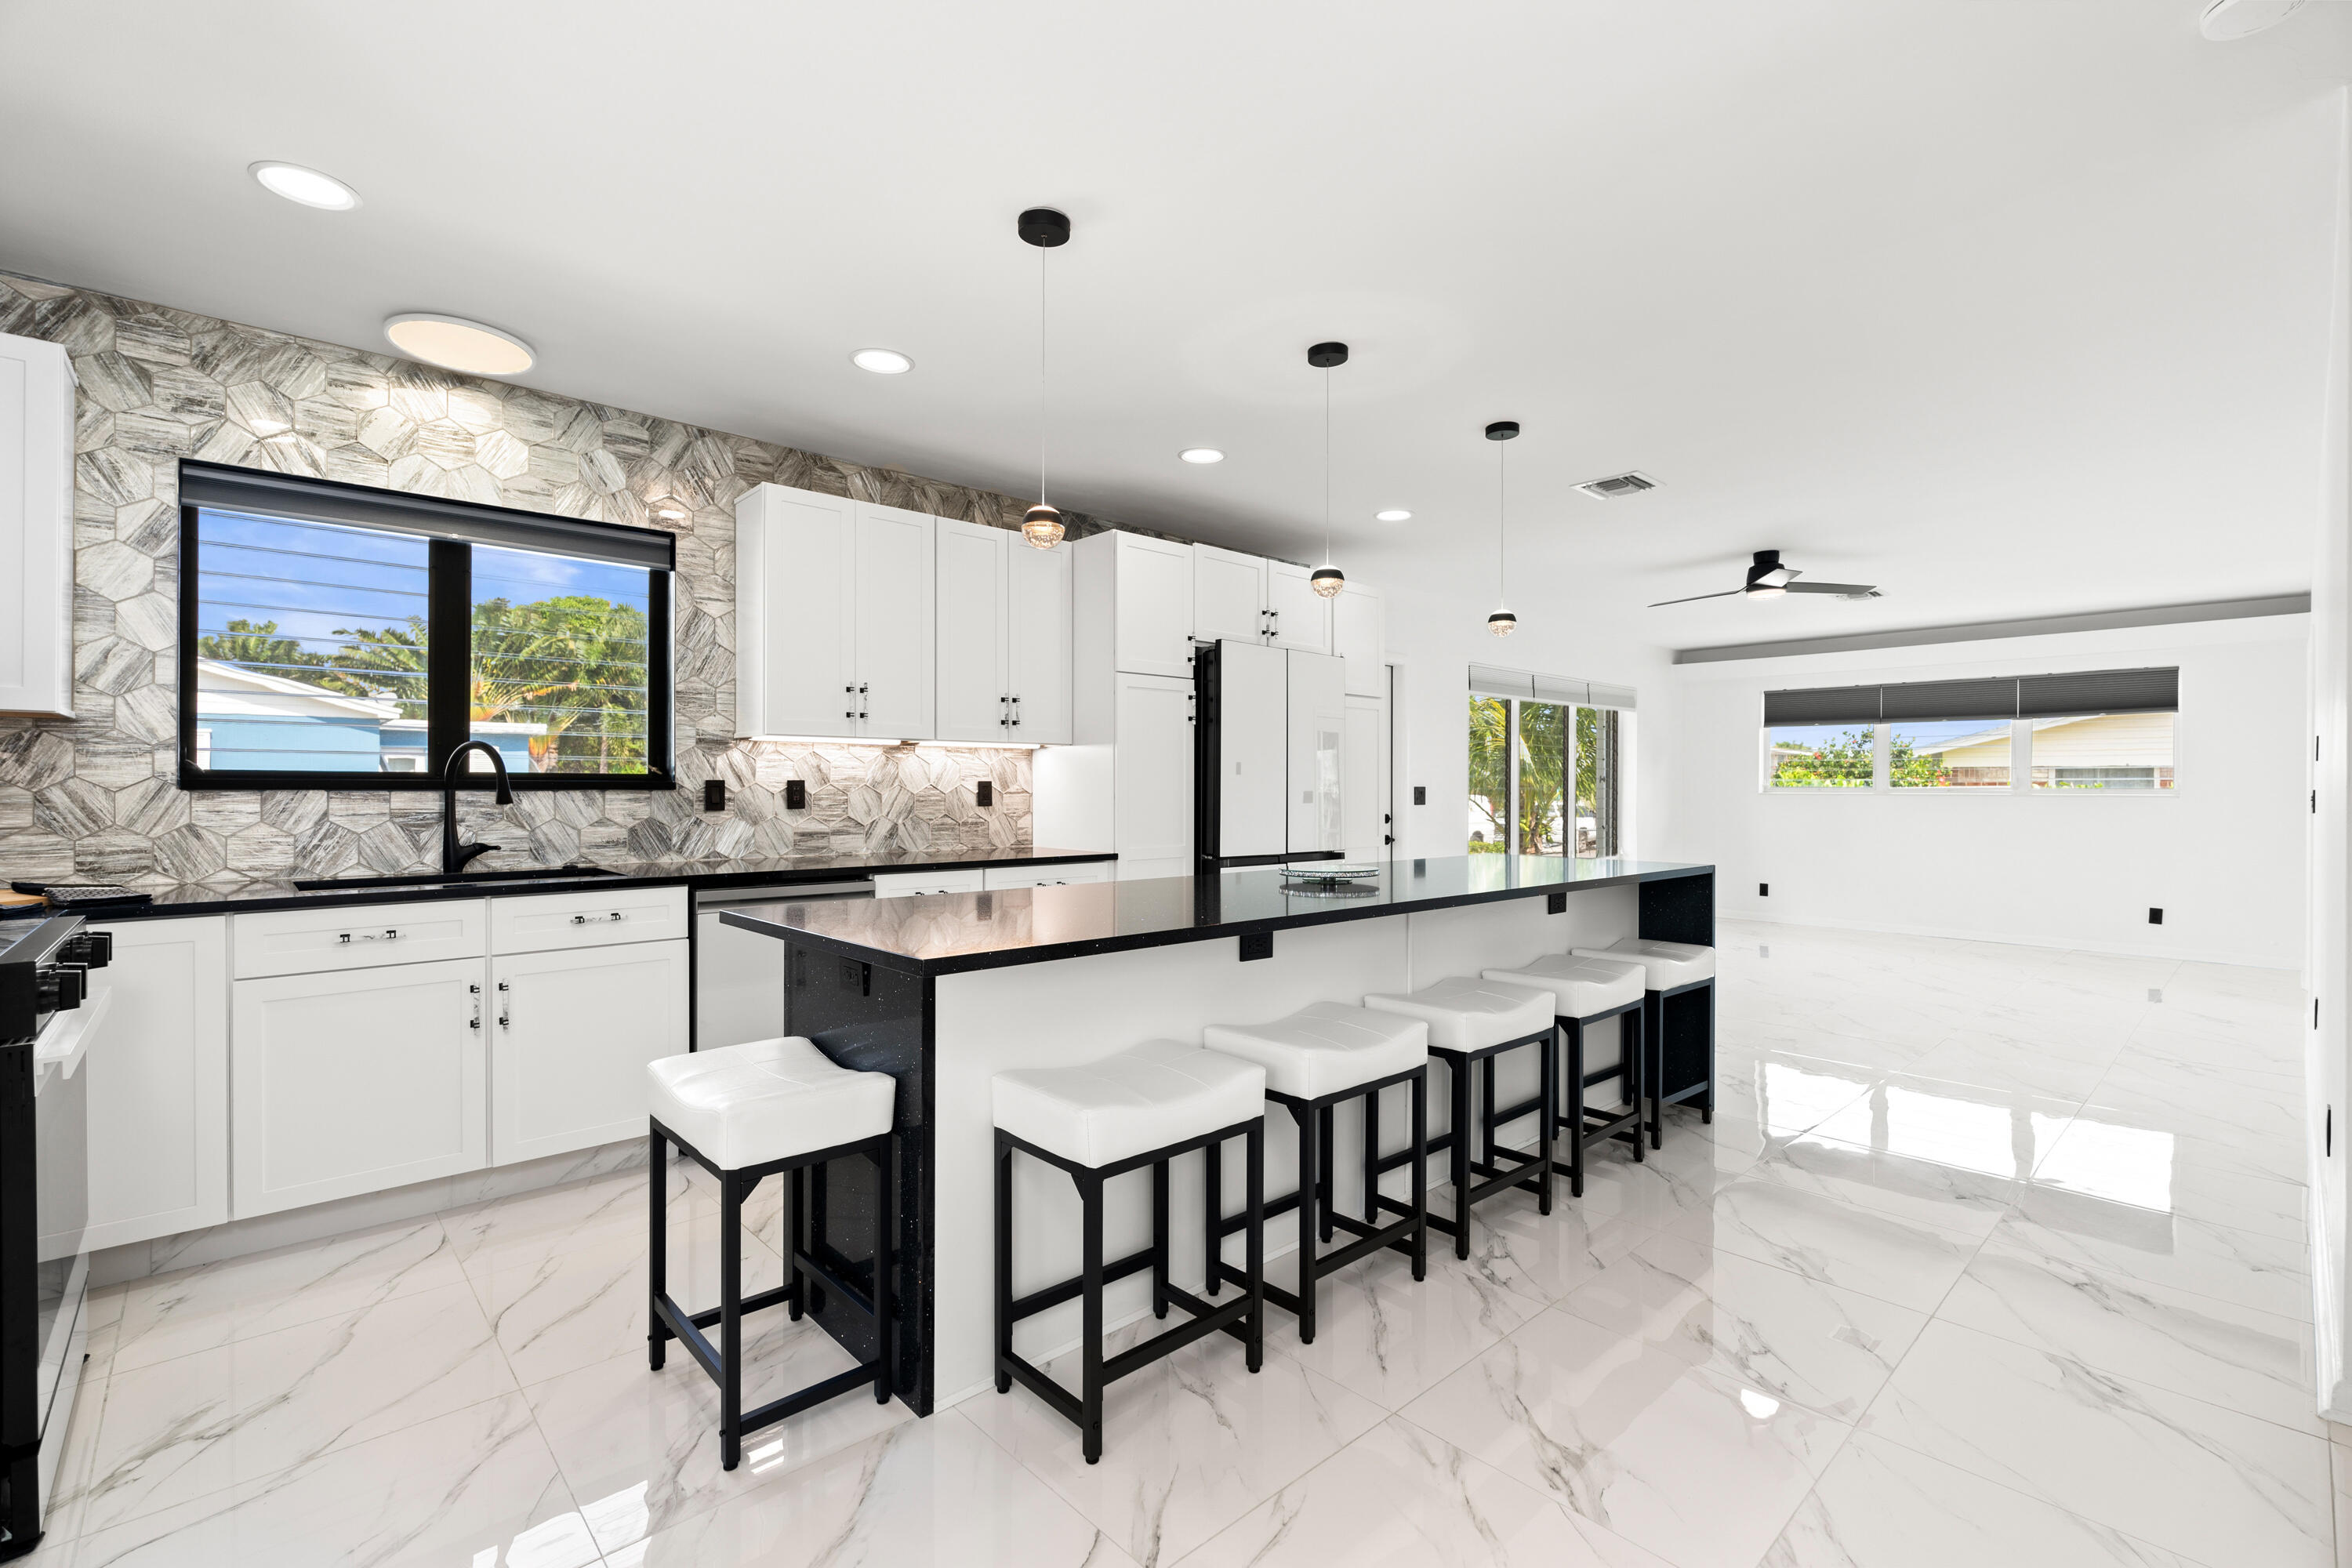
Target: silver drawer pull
{"type": "Point", "coordinates": [388, 934]}
{"type": "Point", "coordinates": [614, 917]}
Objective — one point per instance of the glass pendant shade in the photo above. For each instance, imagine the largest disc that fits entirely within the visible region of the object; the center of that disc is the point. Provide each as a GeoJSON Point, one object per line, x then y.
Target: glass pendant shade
{"type": "Point", "coordinates": [1041, 525]}
{"type": "Point", "coordinates": [1328, 581]}
{"type": "Point", "coordinates": [1502, 623]}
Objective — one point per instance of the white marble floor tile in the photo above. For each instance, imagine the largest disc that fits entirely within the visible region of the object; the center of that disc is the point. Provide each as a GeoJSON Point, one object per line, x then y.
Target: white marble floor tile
{"type": "Point", "coordinates": [2103, 1163]}
{"type": "Point", "coordinates": [640, 1448]}
{"type": "Point", "coordinates": [182, 1428]}
{"type": "Point", "coordinates": [1682, 1463]}
{"type": "Point", "coordinates": [1398, 1496]}
{"type": "Point", "coordinates": [1894, 1260]}
{"type": "Point", "coordinates": [1993, 1131]}
{"type": "Point", "coordinates": [1948, 1196]}
{"type": "Point", "coordinates": [2340, 1458]}
{"type": "Point", "coordinates": [2273, 1158]}
{"type": "Point", "coordinates": [476, 1487]}
{"type": "Point", "coordinates": [1756, 1326]}
{"type": "Point", "coordinates": [561, 1219]}
{"type": "Point", "coordinates": [1191, 1442]}
{"type": "Point", "coordinates": [2244, 1108]}
{"type": "Point", "coordinates": [1542, 1257]}
{"type": "Point", "coordinates": [1788, 1096]}
{"type": "Point", "coordinates": [2212, 1483]}
{"type": "Point", "coordinates": [2258, 1271]}
{"type": "Point", "coordinates": [172, 1314]}
{"type": "Point", "coordinates": [1879, 1505]}
{"type": "Point", "coordinates": [1380, 1335]}
{"type": "Point", "coordinates": [64, 1511]}
{"type": "Point", "coordinates": [1984, 1060]}
{"type": "Point", "coordinates": [929, 1492]}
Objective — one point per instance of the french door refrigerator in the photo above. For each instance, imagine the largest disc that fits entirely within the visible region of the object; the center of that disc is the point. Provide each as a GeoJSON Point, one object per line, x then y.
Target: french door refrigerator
{"type": "Point", "coordinates": [1269, 755]}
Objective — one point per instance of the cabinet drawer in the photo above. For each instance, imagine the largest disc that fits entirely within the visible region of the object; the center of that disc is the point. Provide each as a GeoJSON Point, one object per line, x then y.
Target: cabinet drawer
{"type": "Point", "coordinates": [604, 917]}
{"type": "Point", "coordinates": [1047, 876]}
{"type": "Point", "coordinates": [905, 884]}
{"type": "Point", "coordinates": [314, 941]}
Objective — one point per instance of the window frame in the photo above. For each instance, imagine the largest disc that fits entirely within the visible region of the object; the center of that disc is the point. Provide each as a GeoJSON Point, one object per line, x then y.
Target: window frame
{"type": "Point", "coordinates": [1608, 781]}
{"type": "Point", "coordinates": [448, 659]}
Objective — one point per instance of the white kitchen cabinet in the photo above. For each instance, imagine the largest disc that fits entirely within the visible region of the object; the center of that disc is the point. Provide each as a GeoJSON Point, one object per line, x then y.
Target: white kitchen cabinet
{"type": "Point", "coordinates": [1037, 641]}
{"type": "Point", "coordinates": [942, 880]}
{"type": "Point", "coordinates": [795, 624]}
{"type": "Point", "coordinates": [1151, 776]}
{"type": "Point", "coordinates": [36, 561]}
{"type": "Point", "coordinates": [1130, 605]}
{"type": "Point", "coordinates": [996, 877]}
{"type": "Point", "coordinates": [352, 1081]}
{"type": "Point", "coordinates": [1297, 617]}
{"type": "Point", "coordinates": [1229, 595]}
{"type": "Point", "coordinates": [1357, 636]}
{"type": "Point", "coordinates": [1003, 643]}
{"type": "Point", "coordinates": [603, 917]}
{"type": "Point", "coordinates": [159, 1082]}
{"type": "Point", "coordinates": [571, 1034]}
{"type": "Point", "coordinates": [895, 636]}
{"type": "Point", "coordinates": [368, 936]}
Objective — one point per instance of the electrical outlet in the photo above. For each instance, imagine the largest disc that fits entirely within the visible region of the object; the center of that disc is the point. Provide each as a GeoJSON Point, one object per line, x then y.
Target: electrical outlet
{"type": "Point", "coordinates": [985, 792]}
{"type": "Point", "coordinates": [1763, 890]}
{"type": "Point", "coordinates": [2156, 917]}
{"type": "Point", "coordinates": [714, 794]}
{"type": "Point", "coordinates": [1421, 795]}
{"type": "Point", "coordinates": [796, 795]}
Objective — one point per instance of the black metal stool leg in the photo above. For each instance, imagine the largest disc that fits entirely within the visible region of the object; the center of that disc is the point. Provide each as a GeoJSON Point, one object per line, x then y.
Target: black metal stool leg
{"type": "Point", "coordinates": [1373, 1158]}
{"type": "Point", "coordinates": [731, 1321]}
{"type": "Point", "coordinates": [1003, 1262]}
{"type": "Point", "coordinates": [657, 1236]}
{"type": "Point", "coordinates": [1574, 1030]}
{"type": "Point", "coordinates": [886, 1233]}
{"type": "Point", "coordinates": [1634, 1049]}
{"type": "Point", "coordinates": [1090, 1376]}
{"type": "Point", "coordinates": [1159, 1239]}
{"type": "Point", "coordinates": [1653, 1076]}
{"type": "Point", "coordinates": [1458, 1073]}
{"type": "Point", "coordinates": [1254, 1234]}
{"type": "Point", "coordinates": [1323, 1177]}
{"type": "Point", "coordinates": [1421, 1176]}
{"type": "Point", "coordinates": [795, 1242]}
{"type": "Point", "coordinates": [1311, 1149]}
{"type": "Point", "coordinates": [1546, 1119]}
{"type": "Point", "coordinates": [1212, 1185]}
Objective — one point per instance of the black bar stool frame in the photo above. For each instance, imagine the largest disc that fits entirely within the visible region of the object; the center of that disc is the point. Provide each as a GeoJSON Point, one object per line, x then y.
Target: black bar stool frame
{"type": "Point", "coordinates": [1654, 1031]}
{"type": "Point", "coordinates": [1317, 1216]}
{"type": "Point", "coordinates": [1457, 1144]}
{"type": "Point", "coordinates": [803, 1270]}
{"type": "Point", "coordinates": [1580, 1121]}
{"type": "Point", "coordinates": [1243, 1318]}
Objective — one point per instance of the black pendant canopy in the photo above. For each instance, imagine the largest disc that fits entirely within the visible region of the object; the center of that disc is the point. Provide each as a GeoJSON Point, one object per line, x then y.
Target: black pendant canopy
{"type": "Point", "coordinates": [1044, 228]}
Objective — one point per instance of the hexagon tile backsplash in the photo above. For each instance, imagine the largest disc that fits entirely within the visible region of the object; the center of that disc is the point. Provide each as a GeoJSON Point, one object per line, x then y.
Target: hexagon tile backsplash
{"type": "Point", "coordinates": [95, 797]}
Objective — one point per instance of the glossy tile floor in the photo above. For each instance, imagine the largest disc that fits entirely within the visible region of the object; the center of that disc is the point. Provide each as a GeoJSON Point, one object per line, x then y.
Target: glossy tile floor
{"type": "Point", "coordinates": [1994, 1255]}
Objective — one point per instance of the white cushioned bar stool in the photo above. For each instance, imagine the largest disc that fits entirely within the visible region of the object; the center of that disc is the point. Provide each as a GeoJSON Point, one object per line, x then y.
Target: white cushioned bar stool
{"type": "Point", "coordinates": [1314, 1059]}
{"type": "Point", "coordinates": [1585, 991]}
{"type": "Point", "coordinates": [1138, 1108]}
{"type": "Point", "coordinates": [1672, 969]}
{"type": "Point", "coordinates": [1473, 1021]}
{"type": "Point", "coordinates": [745, 1114]}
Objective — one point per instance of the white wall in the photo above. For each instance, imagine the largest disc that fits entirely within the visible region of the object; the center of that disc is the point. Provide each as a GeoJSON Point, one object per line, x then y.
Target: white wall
{"type": "Point", "coordinates": [2221, 855]}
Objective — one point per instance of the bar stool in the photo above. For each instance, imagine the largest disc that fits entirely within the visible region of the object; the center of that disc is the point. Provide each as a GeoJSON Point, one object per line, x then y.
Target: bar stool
{"type": "Point", "coordinates": [744, 1113]}
{"type": "Point", "coordinates": [1585, 991]}
{"type": "Point", "coordinates": [1313, 1059]}
{"type": "Point", "coordinates": [1673, 968]}
{"type": "Point", "coordinates": [1473, 1021]}
{"type": "Point", "coordinates": [1137, 1108]}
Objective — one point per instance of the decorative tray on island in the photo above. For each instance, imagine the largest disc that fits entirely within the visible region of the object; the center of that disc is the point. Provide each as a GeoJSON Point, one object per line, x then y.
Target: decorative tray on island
{"type": "Point", "coordinates": [1328, 876]}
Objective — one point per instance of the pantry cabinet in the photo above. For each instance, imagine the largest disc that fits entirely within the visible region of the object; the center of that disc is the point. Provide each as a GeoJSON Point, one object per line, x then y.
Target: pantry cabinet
{"type": "Point", "coordinates": [36, 561]}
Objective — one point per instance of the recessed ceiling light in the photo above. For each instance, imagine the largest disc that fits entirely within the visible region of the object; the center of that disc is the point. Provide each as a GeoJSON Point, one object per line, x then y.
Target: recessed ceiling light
{"type": "Point", "coordinates": [1394, 514]}
{"type": "Point", "coordinates": [308, 186]}
{"type": "Point", "coordinates": [882, 362]}
{"type": "Point", "coordinates": [1202, 455]}
{"type": "Point", "coordinates": [455, 343]}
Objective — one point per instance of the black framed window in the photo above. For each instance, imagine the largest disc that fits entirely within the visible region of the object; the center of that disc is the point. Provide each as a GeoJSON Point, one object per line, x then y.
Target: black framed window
{"type": "Point", "coordinates": [339, 637]}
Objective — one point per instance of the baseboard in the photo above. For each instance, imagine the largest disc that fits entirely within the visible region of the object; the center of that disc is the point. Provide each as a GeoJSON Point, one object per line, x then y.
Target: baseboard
{"type": "Point", "coordinates": [2115, 949]}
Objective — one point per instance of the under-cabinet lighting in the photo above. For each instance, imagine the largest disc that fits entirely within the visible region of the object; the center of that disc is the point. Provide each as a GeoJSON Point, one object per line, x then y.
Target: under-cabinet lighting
{"type": "Point", "coordinates": [867, 741]}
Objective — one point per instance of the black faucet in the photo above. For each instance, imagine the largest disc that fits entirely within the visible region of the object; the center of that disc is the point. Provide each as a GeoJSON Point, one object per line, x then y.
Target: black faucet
{"type": "Point", "coordinates": [455, 855]}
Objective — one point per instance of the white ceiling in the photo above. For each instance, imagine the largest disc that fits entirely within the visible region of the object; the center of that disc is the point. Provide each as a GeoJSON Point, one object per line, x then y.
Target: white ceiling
{"type": "Point", "coordinates": [2015, 307]}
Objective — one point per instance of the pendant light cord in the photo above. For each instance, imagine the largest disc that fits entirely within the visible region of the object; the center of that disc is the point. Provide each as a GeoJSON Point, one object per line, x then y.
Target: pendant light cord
{"type": "Point", "coordinates": [1042, 253]}
{"type": "Point", "coordinates": [1327, 464]}
{"type": "Point", "coordinates": [1501, 517]}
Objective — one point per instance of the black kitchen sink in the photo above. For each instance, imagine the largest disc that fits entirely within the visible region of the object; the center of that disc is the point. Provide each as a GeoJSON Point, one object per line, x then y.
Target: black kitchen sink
{"type": "Point", "coordinates": [445, 878]}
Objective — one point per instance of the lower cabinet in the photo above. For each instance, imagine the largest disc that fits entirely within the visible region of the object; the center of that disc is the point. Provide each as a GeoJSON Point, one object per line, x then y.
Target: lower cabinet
{"type": "Point", "coordinates": [159, 1082]}
{"type": "Point", "coordinates": [357, 1079]}
{"type": "Point", "coordinates": [570, 1036]}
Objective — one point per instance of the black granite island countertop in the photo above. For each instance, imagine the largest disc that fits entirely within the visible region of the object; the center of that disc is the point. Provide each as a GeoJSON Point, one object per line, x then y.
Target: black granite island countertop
{"type": "Point", "coordinates": [947, 934]}
{"type": "Point", "coordinates": [249, 896]}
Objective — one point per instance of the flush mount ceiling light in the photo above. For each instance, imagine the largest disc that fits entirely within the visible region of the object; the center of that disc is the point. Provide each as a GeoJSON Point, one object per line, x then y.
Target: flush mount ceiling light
{"type": "Point", "coordinates": [1502, 623]}
{"type": "Point", "coordinates": [455, 343]}
{"type": "Point", "coordinates": [882, 362]}
{"type": "Point", "coordinates": [2226, 21]}
{"type": "Point", "coordinates": [1326, 357]}
{"type": "Point", "coordinates": [307, 186]}
{"type": "Point", "coordinates": [1048, 230]}
{"type": "Point", "coordinates": [1396, 514]}
{"type": "Point", "coordinates": [1202, 455]}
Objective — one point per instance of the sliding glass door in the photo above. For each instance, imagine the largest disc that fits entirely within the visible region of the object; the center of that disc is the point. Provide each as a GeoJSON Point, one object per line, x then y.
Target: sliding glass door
{"type": "Point", "coordinates": [1525, 758]}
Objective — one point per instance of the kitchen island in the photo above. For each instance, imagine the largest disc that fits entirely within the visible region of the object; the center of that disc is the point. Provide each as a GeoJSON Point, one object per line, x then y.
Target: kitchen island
{"type": "Point", "coordinates": [942, 992]}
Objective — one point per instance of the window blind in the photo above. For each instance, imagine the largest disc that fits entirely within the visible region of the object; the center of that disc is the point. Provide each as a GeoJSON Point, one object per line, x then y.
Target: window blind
{"type": "Point", "coordinates": [1490, 681]}
{"type": "Point", "coordinates": [2005, 696]}
{"type": "Point", "coordinates": [1920, 699]}
{"type": "Point", "coordinates": [2099, 691]}
{"type": "Point", "coordinates": [1823, 705]}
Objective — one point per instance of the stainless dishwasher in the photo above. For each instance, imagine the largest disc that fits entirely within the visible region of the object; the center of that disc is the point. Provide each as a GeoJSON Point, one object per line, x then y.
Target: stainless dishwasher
{"type": "Point", "coordinates": [738, 978]}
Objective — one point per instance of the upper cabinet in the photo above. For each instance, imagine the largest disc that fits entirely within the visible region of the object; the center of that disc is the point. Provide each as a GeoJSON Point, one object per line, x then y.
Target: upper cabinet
{"type": "Point", "coordinates": [1356, 636]}
{"type": "Point", "coordinates": [1133, 600]}
{"type": "Point", "coordinates": [1298, 618]}
{"type": "Point", "coordinates": [37, 408]}
{"type": "Point", "coordinates": [1247, 598]}
{"type": "Point", "coordinates": [834, 607]}
{"type": "Point", "coordinates": [1003, 649]}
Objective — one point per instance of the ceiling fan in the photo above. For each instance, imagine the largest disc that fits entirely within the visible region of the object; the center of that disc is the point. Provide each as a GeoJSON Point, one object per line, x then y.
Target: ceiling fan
{"type": "Point", "coordinates": [1767, 579]}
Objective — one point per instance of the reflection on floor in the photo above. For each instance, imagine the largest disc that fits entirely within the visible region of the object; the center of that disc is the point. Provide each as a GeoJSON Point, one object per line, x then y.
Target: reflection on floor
{"type": "Point", "coordinates": [1994, 1255]}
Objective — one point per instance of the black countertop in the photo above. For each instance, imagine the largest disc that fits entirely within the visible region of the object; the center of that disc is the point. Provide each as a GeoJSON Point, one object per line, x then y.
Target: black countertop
{"type": "Point", "coordinates": [944, 933]}
{"type": "Point", "coordinates": [252, 896]}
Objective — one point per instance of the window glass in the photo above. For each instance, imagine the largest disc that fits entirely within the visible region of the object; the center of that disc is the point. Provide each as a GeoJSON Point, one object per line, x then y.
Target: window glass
{"type": "Point", "coordinates": [310, 645]}
{"type": "Point", "coordinates": [2111, 751]}
{"type": "Point", "coordinates": [1954, 753]}
{"type": "Point", "coordinates": [1596, 781]}
{"type": "Point", "coordinates": [1542, 763]}
{"type": "Point", "coordinates": [1490, 775]}
{"type": "Point", "coordinates": [560, 668]}
{"type": "Point", "coordinates": [1820, 756]}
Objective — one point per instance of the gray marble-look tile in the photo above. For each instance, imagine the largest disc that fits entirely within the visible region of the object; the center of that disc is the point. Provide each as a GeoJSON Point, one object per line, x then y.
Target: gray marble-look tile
{"type": "Point", "coordinates": [1826, 1239]}
{"type": "Point", "coordinates": [2264, 1272]}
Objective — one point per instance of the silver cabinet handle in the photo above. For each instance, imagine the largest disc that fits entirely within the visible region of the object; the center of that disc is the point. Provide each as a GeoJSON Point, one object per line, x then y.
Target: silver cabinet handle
{"type": "Point", "coordinates": [506, 1006]}
{"type": "Point", "coordinates": [475, 1022]}
{"type": "Point", "coordinates": [390, 933]}
{"type": "Point", "coordinates": [613, 916]}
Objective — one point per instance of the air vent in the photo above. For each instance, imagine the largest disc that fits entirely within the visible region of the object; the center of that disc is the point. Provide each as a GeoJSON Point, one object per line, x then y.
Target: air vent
{"type": "Point", "coordinates": [1617, 485]}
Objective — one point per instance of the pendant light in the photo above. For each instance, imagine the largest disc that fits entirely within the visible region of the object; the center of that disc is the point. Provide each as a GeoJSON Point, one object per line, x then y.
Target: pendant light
{"type": "Point", "coordinates": [1502, 623]}
{"type": "Point", "coordinates": [1044, 227]}
{"type": "Point", "coordinates": [1326, 357]}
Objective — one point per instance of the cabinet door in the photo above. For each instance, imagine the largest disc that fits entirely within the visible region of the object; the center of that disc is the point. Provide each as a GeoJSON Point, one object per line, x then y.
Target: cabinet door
{"type": "Point", "coordinates": [796, 627]}
{"type": "Point", "coordinates": [972, 687]}
{"type": "Point", "coordinates": [574, 1032]}
{"type": "Point", "coordinates": [1037, 642]}
{"type": "Point", "coordinates": [159, 1082]}
{"type": "Point", "coordinates": [1228, 595]}
{"type": "Point", "coordinates": [895, 630]}
{"type": "Point", "coordinates": [1151, 789]}
{"type": "Point", "coordinates": [1152, 630]}
{"type": "Point", "coordinates": [36, 564]}
{"type": "Point", "coordinates": [352, 1082]}
{"type": "Point", "coordinates": [1366, 789]}
{"type": "Point", "coordinates": [1357, 637]}
{"type": "Point", "coordinates": [1300, 617]}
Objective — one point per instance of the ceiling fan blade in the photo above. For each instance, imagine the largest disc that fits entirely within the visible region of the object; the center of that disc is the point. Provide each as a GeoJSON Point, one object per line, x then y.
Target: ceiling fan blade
{"type": "Point", "coordinates": [1843, 590]}
{"type": "Point", "coordinates": [1694, 598]}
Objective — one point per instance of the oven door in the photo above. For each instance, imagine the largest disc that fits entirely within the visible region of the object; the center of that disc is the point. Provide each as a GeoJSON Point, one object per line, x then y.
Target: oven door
{"type": "Point", "coordinates": [61, 1208]}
